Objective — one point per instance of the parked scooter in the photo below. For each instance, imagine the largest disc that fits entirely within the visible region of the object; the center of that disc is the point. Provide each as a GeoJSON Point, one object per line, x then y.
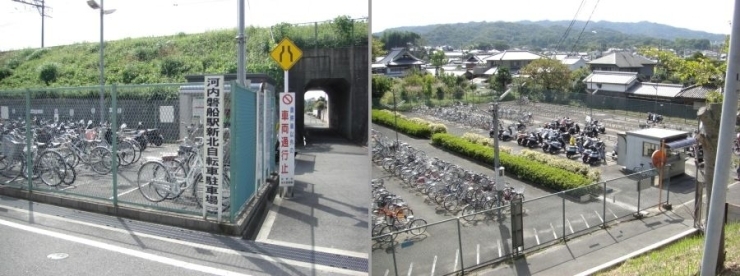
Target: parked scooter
{"type": "Point", "coordinates": [152, 135]}
{"type": "Point", "coordinates": [553, 144]}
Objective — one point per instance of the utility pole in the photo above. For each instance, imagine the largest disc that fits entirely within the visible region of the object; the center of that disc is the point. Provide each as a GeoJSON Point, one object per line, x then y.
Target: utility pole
{"type": "Point", "coordinates": [42, 8]}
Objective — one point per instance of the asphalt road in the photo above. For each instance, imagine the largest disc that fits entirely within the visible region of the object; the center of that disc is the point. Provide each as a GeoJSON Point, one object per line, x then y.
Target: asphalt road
{"type": "Point", "coordinates": [96, 244]}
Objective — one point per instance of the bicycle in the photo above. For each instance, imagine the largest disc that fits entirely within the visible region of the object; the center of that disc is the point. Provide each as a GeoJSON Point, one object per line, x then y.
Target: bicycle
{"type": "Point", "coordinates": [175, 180]}
{"type": "Point", "coordinates": [46, 163]}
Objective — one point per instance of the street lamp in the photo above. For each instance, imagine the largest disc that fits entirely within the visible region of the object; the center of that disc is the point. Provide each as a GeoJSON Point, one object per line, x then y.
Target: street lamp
{"type": "Point", "coordinates": [94, 5]}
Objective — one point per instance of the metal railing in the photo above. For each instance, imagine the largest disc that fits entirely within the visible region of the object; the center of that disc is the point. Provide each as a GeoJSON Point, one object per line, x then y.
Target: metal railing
{"type": "Point", "coordinates": [461, 244]}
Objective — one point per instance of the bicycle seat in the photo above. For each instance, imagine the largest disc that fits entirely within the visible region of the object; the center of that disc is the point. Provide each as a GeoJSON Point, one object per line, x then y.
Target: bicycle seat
{"type": "Point", "coordinates": [186, 148]}
{"type": "Point", "coordinates": [40, 145]}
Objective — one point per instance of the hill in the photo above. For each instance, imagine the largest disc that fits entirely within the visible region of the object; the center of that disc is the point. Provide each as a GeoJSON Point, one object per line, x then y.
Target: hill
{"type": "Point", "coordinates": [166, 59]}
{"type": "Point", "coordinates": [547, 34]}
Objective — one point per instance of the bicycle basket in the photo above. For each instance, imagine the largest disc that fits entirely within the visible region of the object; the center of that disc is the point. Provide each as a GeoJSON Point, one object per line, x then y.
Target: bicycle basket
{"type": "Point", "coordinates": [90, 134]}
{"type": "Point", "coordinates": [11, 148]}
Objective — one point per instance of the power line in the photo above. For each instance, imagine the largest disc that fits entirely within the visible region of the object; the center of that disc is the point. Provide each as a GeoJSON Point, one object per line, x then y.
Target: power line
{"type": "Point", "coordinates": [570, 26]}
{"type": "Point", "coordinates": [584, 26]}
{"type": "Point", "coordinates": [43, 10]}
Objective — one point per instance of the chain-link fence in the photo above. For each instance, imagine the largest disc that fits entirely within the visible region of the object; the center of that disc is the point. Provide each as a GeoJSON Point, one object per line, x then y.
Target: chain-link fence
{"type": "Point", "coordinates": [340, 32]}
{"type": "Point", "coordinates": [491, 235]}
{"type": "Point", "coordinates": [144, 149]}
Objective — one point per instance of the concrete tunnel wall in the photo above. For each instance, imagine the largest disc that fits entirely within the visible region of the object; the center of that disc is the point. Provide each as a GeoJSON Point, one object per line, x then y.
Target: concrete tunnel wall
{"type": "Point", "coordinates": [343, 74]}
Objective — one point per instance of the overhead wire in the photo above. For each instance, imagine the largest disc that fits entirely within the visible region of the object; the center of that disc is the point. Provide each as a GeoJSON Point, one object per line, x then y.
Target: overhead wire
{"type": "Point", "coordinates": [584, 26]}
{"type": "Point", "coordinates": [570, 26]}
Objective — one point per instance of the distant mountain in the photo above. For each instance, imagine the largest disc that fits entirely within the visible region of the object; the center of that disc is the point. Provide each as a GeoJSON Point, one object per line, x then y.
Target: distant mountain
{"type": "Point", "coordinates": [645, 28]}
{"type": "Point", "coordinates": [542, 34]}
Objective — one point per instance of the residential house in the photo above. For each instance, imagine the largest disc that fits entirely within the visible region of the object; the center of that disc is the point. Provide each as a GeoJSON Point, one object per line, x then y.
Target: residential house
{"type": "Point", "coordinates": [624, 62]}
{"type": "Point", "coordinates": [626, 85]}
{"type": "Point", "coordinates": [398, 62]}
{"type": "Point", "coordinates": [574, 63]}
{"type": "Point", "coordinates": [696, 95]}
{"type": "Point", "coordinates": [514, 60]}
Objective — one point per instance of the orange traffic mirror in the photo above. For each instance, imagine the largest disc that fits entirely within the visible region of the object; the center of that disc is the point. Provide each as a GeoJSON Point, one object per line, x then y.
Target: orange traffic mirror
{"type": "Point", "coordinates": [659, 158]}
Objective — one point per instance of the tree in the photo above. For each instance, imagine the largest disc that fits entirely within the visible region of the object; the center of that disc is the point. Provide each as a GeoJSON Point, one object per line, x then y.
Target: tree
{"type": "Point", "coordinates": [549, 74]}
{"type": "Point", "coordinates": [393, 39]}
{"type": "Point", "coordinates": [377, 50]}
{"type": "Point", "coordinates": [344, 26]}
{"type": "Point", "coordinates": [499, 81]}
{"type": "Point", "coordinates": [380, 85]}
{"type": "Point", "coordinates": [320, 103]}
{"type": "Point", "coordinates": [438, 59]}
{"type": "Point", "coordinates": [48, 72]}
{"type": "Point", "coordinates": [501, 45]}
{"type": "Point", "coordinates": [577, 78]}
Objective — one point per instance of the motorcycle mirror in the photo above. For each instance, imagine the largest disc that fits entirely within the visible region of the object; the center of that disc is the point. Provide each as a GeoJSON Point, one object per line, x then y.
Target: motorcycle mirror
{"type": "Point", "coordinates": [89, 122]}
{"type": "Point", "coordinates": [123, 126]}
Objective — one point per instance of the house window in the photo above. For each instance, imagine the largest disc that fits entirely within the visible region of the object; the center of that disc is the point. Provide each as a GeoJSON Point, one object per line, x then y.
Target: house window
{"type": "Point", "coordinates": [648, 149]}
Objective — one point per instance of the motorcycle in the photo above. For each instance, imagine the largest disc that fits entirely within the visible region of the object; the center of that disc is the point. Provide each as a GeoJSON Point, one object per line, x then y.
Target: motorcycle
{"type": "Point", "coordinates": [654, 118]}
{"type": "Point", "coordinates": [553, 144]}
{"type": "Point", "coordinates": [506, 134]}
{"type": "Point", "coordinates": [591, 157]}
{"type": "Point", "coordinates": [520, 126]}
{"type": "Point", "coordinates": [152, 135]}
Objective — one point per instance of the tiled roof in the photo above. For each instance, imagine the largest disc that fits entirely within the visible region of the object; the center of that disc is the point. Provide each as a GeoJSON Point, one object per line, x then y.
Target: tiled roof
{"type": "Point", "coordinates": [657, 89]}
{"type": "Point", "coordinates": [399, 56]}
{"type": "Point", "coordinates": [571, 60]}
{"type": "Point", "coordinates": [515, 55]}
{"type": "Point", "coordinates": [622, 60]}
{"type": "Point", "coordinates": [611, 77]}
{"type": "Point", "coordinates": [491, 71]}
{"type": "Point", "coordinates": [695, 92]}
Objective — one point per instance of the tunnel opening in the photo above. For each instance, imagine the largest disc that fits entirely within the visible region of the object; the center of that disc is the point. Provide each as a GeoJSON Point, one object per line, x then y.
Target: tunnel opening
{"type": "Point", "coordinates": [336, 119]}
{"type": "Point", "coordinates": [316, 109]}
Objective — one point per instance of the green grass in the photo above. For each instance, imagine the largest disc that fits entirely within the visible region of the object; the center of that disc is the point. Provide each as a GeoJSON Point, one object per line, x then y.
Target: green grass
{"type": "Point", "coordinates": [682, 257]}
{"type": "Point", "coordinates": [168, 59]}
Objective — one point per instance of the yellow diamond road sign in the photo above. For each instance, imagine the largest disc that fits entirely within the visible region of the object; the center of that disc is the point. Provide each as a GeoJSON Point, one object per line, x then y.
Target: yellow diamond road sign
{"type": "Point", "coordinates": [286, 54]}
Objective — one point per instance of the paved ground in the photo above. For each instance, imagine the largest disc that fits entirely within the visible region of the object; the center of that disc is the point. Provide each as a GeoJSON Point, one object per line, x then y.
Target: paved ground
{"type": "Point", "coordinates": [329, 208]}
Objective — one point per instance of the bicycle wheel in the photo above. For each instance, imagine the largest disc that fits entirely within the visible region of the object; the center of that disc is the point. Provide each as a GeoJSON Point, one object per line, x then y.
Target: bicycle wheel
{"type": "Point", "coordinates": [70, 175]}
{"type": "Point", "coordinates": [199, 191]}
{"type": "Point", "coordinates": [450, 203]}
{"type": "Point", "coordinates": [376, 229]}
{"type": "Point", "coordinates": [51, 168]}
{"type": "Point", "coordinates": [468, 213]}
{"type": "Point", "coordinates": [177, 171]}
{"type": "Point", "coordinates": [70, 157]}
{"type": "Point", "coordinates": [153, 171]}
{"type": "Point", "coordinates": [101, 160]}
{"type": "Point", "coordinates": [421, 224]}
{"type": "Point", "coordinates": [388, 233]}
{"type": "Point", "coordinates": [137, 150]}
{"type": "Point", "coordinates": [126, 153]}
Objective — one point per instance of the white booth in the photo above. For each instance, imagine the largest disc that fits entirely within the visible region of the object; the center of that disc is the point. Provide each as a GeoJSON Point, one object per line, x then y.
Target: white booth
{"type": "Point", "coordinates": [637, 147]}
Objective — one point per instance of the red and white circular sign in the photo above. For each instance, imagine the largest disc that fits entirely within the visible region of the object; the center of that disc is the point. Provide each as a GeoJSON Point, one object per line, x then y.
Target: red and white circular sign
{"type": "Point", "coordinates": [287, 99]}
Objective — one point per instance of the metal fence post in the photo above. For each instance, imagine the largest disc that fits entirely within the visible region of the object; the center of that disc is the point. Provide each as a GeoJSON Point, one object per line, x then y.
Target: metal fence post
{"type": "Point", "coordinates": [563, 197]}
{"type": "Point", "coordinates": [393, 252]}
{"type": "Point", "coordinates": [114, 142]}
{"type": "Point", "coordinates": [29, 146]}
{"type": "Point", "coordinates": [233, 136]}
{"type": "Point", "coordinates": [639, 193]}
{"type": "Point", "coordinates": [603, 211]}
{"type": "Point", "coordinates": [459, 240]}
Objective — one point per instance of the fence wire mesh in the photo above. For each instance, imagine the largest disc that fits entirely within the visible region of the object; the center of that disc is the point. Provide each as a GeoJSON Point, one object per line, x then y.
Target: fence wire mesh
{"type": "Point", "coordinates": [474, 239]}
{"type": "Point", "coordinates": [136, 144]}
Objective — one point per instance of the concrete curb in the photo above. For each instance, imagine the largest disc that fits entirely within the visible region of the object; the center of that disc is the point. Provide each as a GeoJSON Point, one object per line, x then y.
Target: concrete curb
{"type": "Point", "coordinates": [644, 250]}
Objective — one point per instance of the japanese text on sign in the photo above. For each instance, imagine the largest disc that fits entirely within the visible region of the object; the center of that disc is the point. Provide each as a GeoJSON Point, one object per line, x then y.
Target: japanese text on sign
{"type": "Point", "coordinates": [213, 154]}
{"type": "Point", "coordinates": [286, 139]}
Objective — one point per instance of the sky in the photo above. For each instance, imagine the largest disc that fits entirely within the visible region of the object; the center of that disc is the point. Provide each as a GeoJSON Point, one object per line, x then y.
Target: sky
{"type": "Point", "coordinates": [314, 94]}
{"type": "Point", "coordinates": [74, 21]}
{"type": "Point", "coordinates": [707, 15]}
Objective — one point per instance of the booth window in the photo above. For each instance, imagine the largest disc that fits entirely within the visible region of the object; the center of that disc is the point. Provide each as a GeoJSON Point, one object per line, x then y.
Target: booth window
{"type": "Point", "coordinates": [648, 149]}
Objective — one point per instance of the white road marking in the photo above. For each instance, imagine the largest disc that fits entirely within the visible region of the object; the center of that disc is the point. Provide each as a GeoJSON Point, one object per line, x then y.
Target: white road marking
{"type": "Point", "coordinates": [269, 219]}
{"type": "Point", "coordinates": [386, 272]}
{"type": "Point", "coordinates": [457, 258]}
{"type": "Point", "coordinates": [536, 236]}
{"type": "Point", "coordinates": [610, 211]}
{"type": "Point", "coordinates": [477, 254]}
{"type": "Point", "coordinates": [434, 264]}
{"type": "Point", "coordinates": [127, 192]}
{"type": "Point", "coordinates": [411, 268]}
{"type": "Point", "coordinates": [598, 215]}
{"type": "Point", "coordinates": [553, 231]}
{"type": "Point", "coordinates": [196, 245]}
{"type": "Point", "coordinates": [585, 221]}
{"type": "Point", "coordinates": [570, 226]}
{"type": "Point", "coordinates": [122, 250]}
{"type": "Point", "coordinates": [499, 248]}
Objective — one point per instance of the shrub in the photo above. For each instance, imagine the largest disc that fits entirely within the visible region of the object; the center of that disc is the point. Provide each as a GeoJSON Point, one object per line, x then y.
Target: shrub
{"type": "Point", "coordinates": [13, 63]}
{"type": "Point", "coordinates": [438, 128]}
{"type": "Point", "coordinates": [36, 54]}
{"type": "Point", "coordinates": [484, 141]}
{"type": "Point", "coordinates": [388, 119]}
{"type": "Point", "coordinates": [172, 67]}
{"type": "Point", "coordinates": [5, 72]}
{"type": "Point", "coordinates": [527, 170]}
{"type": "Point", "coordinates": [48, 72]}
{"type": "Point", "coordinates": [129, 74]}
{"type": "Point", "coordinates": [143, 53]}
{"type": "Point", "coordinates": [568, 165]}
